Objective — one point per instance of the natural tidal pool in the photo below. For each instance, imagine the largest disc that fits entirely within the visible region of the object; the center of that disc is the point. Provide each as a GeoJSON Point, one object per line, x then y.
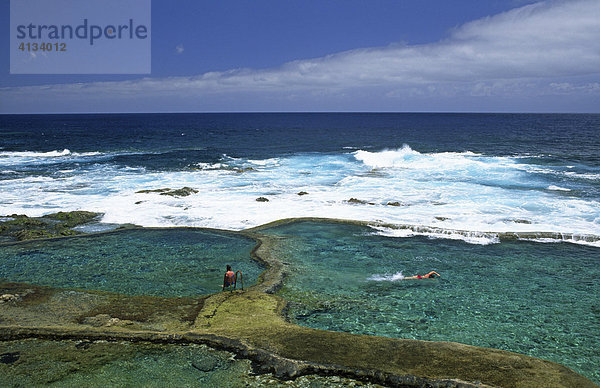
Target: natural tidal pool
{"type": "Point", "coordinates": [35, 362]}
{"type": "Point", "coordinates": [538, 299]}
{"type": "Point", "coordinates": [158, 262]}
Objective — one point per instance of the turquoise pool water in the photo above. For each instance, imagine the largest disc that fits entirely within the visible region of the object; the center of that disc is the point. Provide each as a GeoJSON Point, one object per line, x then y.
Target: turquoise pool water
{"type": "Point", "coordinates": [532, 298]}
{"type": "Point", "coordinates": [159, 262]}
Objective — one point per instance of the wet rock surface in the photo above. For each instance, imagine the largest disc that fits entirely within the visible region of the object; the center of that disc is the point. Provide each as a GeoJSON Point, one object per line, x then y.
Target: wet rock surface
{"type": "Point", "coordinates": [356, 201]}
{"type": "Point", "coordinates": [182, 192]}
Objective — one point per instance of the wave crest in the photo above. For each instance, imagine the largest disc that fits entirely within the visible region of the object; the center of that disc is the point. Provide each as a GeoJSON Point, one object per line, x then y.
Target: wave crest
{"type": "Point", "coordinates": [485, 238]}
{"type": "Point", "coordinates": [33, 154]}
{"type": "Point", "coordinates": [387, 158]}
{"type": "Point", "coordinates": [407, 158]}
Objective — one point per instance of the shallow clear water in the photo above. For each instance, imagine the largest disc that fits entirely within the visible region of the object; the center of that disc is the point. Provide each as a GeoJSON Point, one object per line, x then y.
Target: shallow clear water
{"type": "Point", "coordinates": [120, 364]}
{"type": "Point", "coordinates": [531, 298]}
{"type": "Point", "coordinates": [160, 262]}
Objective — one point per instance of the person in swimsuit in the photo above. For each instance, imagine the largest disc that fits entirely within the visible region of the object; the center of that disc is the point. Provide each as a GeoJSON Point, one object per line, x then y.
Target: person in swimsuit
{"type": "Point", "coordinates": [229, 279]}
{"type": "Point", "coordinates": [430, 275]}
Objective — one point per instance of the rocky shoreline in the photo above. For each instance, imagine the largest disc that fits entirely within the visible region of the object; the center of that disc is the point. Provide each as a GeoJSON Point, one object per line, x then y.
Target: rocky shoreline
{"type": "Point", "coordinates": [252, 325]}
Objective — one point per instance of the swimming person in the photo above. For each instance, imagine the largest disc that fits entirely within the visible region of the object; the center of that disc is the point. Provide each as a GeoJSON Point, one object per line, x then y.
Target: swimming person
{"type": "Point", "coordinates": [430, 275]}
{"type": "Point", "coordinates": [229, 279]}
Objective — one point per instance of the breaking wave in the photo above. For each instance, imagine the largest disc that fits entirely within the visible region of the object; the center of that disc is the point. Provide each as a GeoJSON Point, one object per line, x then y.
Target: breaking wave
{"type": "Point", "coordinates": [451, 195]}
{"type": "Point", "coordinates": [485, 238]}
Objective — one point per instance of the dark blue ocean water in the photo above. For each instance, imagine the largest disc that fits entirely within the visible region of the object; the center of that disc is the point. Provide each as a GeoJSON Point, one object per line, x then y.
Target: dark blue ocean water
{"type": "Point", "coordinates": [205, 137]}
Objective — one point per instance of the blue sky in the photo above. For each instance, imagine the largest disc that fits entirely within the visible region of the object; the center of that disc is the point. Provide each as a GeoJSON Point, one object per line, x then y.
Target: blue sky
{"type": "Point", "coordinates": [344, 55]}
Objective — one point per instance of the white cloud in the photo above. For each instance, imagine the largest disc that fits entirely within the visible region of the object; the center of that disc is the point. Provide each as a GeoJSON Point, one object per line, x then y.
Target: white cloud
{"type": "Point", "coordinates": [179, 48]}
{"type": "Point", "coordinates": [568, 88]}
{"type": "Point", "coordinates": [528, 51]}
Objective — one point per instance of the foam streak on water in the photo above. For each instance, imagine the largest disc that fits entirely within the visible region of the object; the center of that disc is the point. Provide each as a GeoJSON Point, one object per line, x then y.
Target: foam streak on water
{"type": "Point", "coordinates": [457, 195]}
{"type": "Point", "coordinates": [387, 278]}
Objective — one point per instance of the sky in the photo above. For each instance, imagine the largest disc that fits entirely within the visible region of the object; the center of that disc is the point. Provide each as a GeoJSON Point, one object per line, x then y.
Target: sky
{"type": "Point", "coordinates": [340, 55]}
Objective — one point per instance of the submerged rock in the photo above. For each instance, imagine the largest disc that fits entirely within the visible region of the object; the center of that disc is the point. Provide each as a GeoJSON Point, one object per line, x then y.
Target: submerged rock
{"type": "Point", "coordinates": [518, 221]}
{"type": "Point", "coordinates": [9, 298]}
{"type": "Point", "coordinates": [153, 191]}
{"type": "Point", "coordinates": [10, 357]}
{"type": "Point", "coordinates": [85, 344]}
{"type": "Point", "coordinates": [205, 364]}
{"type": "Point", "coordinates": [245, 169]}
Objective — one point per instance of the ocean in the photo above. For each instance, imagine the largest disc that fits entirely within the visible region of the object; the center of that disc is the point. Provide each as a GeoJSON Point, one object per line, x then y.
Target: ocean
{"type": "Point", "coordinates": [506, 207]}
{"type": "Point", "coordinates": [475, 177]}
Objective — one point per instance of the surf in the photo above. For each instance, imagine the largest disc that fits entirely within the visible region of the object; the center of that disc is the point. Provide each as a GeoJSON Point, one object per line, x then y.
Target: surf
{"type": "Point", "coordinates": [477, 198]}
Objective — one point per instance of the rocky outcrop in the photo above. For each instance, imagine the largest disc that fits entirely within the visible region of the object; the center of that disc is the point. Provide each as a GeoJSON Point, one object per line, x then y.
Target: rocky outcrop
{"type": "Point", "coordinates": [183, 192]}
{"type": "Point", "coordinates": [21, 227]}
{"type": "Point", "coordinates": [245, 169]}
{"type": "Point", "coordinates": [356, 201]}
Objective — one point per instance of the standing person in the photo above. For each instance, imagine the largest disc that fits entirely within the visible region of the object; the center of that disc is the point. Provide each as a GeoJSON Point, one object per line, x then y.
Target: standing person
{"type": "Point", "coordinates": [229, 278]}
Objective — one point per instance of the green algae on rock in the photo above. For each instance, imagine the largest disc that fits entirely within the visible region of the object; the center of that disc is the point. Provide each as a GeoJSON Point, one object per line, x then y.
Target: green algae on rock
{"type": "Point", "coordinates": [74, 218]}
{"type": "Point", "coordinates": [118, 363]}
{"type": "Point", "coordinates": [19, 227]}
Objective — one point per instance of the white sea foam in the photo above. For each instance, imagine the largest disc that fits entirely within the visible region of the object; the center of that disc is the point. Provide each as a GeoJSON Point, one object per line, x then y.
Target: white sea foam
{"type": "Point", "coordinates": [591, 176]}
{"type": "Point", "coordinates": [30, 154]}
{"type": "Point", "coordinates": [27, 158]}
{"type": "Point", "coordinates": [406, 157]}
{"type": "Point", "coordinates": [49, 154]}
{"type": "Point", "coordinates": [387, 278]}
{"type": "Point", "coordinates": [210, 166]}
{"type": "Point", "coordinates": [464, 196]}
{"type": "Point", "coordinates": [472, 237]}
{"type": "Point", "coordinates": [558, 188]}
{"type": "Point", "coordinates": [588, 176]}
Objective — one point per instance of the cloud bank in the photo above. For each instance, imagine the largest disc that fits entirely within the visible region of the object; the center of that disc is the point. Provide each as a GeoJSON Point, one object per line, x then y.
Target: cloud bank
{"type": "Point", "coordinates": [547, 52]}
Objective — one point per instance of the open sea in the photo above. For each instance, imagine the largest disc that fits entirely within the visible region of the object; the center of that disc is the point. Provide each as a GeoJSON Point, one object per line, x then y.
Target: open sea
{"type": "Point", "coordinates": [464, 176]}
{"type": "Point", "coordinates": [505, 206]}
